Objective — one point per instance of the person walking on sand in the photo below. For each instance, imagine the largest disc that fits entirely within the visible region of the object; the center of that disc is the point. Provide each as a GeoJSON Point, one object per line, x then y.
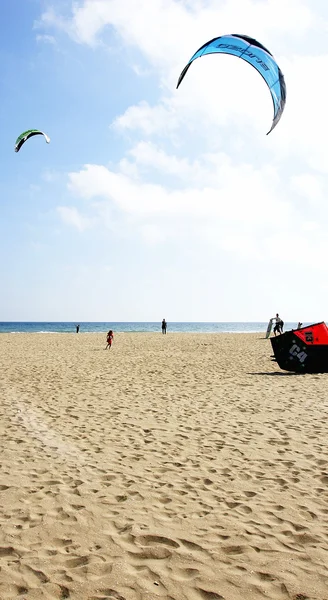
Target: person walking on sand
{"type": "Point", "coordinates": [77, 328]}
{"type": "Point", "coordinates": [164, 326]}
{"type": "Point", "coordinates": [110, 336]}
{"type": "Point", "coordinates": [279, 326]}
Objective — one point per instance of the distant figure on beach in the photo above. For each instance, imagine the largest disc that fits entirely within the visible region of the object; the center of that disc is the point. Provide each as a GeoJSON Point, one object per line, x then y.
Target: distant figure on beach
{"type": "Point", "coordinates": [299, 325]}
{"type": "Point", "coordinates": [164, 326]}
{"type": "Point", "coordinates": [110, 336]}
{"type": "Point", "coordinates": [279, 326]}
{"type": "Point", "coordinates": [77, 328]}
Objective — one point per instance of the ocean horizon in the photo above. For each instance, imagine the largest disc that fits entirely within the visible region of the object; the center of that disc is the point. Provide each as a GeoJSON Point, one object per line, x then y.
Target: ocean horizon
{"type": "Point", "coordinates": [137, 327]}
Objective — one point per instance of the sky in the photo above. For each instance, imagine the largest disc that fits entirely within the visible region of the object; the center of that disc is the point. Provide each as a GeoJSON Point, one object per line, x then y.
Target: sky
{"type": "Point", "coordinates": [153, 202]}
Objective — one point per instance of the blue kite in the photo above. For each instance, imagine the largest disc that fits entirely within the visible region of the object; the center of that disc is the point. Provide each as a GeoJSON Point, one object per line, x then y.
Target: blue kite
{"type": "Point", "coordinates": [256, 55]}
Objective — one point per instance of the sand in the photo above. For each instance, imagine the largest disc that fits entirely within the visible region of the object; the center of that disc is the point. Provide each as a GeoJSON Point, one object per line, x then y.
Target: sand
{"type": "Point", "coordinates": [179, 467]}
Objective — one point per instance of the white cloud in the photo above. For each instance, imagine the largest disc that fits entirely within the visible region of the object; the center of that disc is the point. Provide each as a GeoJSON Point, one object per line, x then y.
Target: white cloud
{"type": "Point", "coordinates": [238, 212]}
{"type": "Point", "coordinates": [160, 119]}
{"type": "Point", "coordinates": [239, 192]}
{"type": "Point", "coordinates": [149, 156]}
{"type": "Point", "coordinates": [140, 22]}
{"type": "Point", "coordinates": [254, 226]}
{"type": "Point", "coordinates": [140, 71]}
{"type": "Point", "coordinates": [304, 126]}
{"type": "Point", "coordinates": [310, 187]}
{"type": "Point", "coordinates": [50, 176]}
{"type": "Point", "coordinates": [46, 39]}
{"type": "Point", "coordinates": [51, 19]}
{"type": "Point", "coordinates": [71, 216]}
{"type": "Point", "coordinates": [153, 234]}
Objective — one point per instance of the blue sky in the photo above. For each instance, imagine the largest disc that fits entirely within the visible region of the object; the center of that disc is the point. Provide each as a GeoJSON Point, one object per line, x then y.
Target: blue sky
{"type": "Point", "coordinates": [152, 202]}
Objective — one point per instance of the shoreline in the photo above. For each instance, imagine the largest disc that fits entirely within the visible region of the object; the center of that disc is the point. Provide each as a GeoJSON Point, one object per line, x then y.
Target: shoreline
{"type": "Point", "coordinates": [133, 332]}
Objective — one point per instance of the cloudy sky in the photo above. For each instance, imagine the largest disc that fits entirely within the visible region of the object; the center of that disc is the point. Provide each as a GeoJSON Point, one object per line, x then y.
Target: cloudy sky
{"type": "Point", "coordinates": [151, 201]}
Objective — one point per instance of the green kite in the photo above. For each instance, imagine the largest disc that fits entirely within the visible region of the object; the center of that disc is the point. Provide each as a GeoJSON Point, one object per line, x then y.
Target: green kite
{"type": "Point", "coordinates": [23, 137]}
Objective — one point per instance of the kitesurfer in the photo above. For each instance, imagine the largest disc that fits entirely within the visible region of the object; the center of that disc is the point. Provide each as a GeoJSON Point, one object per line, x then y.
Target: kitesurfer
{"type": "Point", "coordinates": [279, 325]}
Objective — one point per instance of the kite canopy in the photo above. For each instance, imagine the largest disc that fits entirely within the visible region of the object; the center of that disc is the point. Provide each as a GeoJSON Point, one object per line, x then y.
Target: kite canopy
{"type": "Point", "coordinates": [303, 350]}
{"type": "Point", "coordinates": [23, 137]}
{"type": "Point", "coordinates": [256, 55]}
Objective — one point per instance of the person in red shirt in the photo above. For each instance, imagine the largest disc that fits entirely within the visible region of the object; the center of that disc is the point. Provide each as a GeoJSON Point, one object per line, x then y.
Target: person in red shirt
{"type": "Point", "coordinates": [110, 336]}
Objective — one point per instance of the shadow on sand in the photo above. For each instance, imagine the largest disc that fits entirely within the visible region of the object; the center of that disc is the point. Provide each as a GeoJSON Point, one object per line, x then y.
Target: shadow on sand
{"type": "Point", "coordinates": [278, 374]}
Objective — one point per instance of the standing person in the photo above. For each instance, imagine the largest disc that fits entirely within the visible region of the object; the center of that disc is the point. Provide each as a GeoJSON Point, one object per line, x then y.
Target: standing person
{"type": "Point", "coordinates": [279, 326]}
{"type": "Point", "coordinates": [77, 328]}
{"type": "Point", "coordinates": [110, 336]}
{"type": "Point", "coordinates": [164, 326]}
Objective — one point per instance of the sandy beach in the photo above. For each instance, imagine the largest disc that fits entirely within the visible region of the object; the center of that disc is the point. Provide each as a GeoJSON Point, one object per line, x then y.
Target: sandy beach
{"type": "Point", "coordinates": [181, 467]}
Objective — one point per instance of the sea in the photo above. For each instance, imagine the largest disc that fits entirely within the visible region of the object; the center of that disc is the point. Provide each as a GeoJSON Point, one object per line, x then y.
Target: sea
{"type": "Point", "coordinates": [137, 327]}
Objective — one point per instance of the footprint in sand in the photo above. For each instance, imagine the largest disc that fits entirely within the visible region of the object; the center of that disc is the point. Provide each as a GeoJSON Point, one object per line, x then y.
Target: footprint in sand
{"type": "Point", "coordinates": [64, 592]}
{"type": "Point", "coordinates": [186, 574]}
{"type": "Point", "coordinates": [265, 576]}
{"type": "Point", "coordinates": [64, 576]}
{"type": "Point", "coordinates": [147, 540]}
{"type": "Point", "coordinates": [34, 576]}
{"type": "Point", "coordinates": [209, 595]}
{"type": "Point", "coordinates": [233, 550]}
{"type": "Point", "coordinates": [7, 551]}
{"type": "Point", "coordinates": [108, 595]}
{"type": "Point", "coordinates": [62, 542]}
{"type": "Point", "coordinates": [21, 590]}
{"type": "Point", "coordinates": [151, 547]}
{"type": "Point", "coordinates": [194, 548]}
{"type": "Point", "coordinates": [80, 561]}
